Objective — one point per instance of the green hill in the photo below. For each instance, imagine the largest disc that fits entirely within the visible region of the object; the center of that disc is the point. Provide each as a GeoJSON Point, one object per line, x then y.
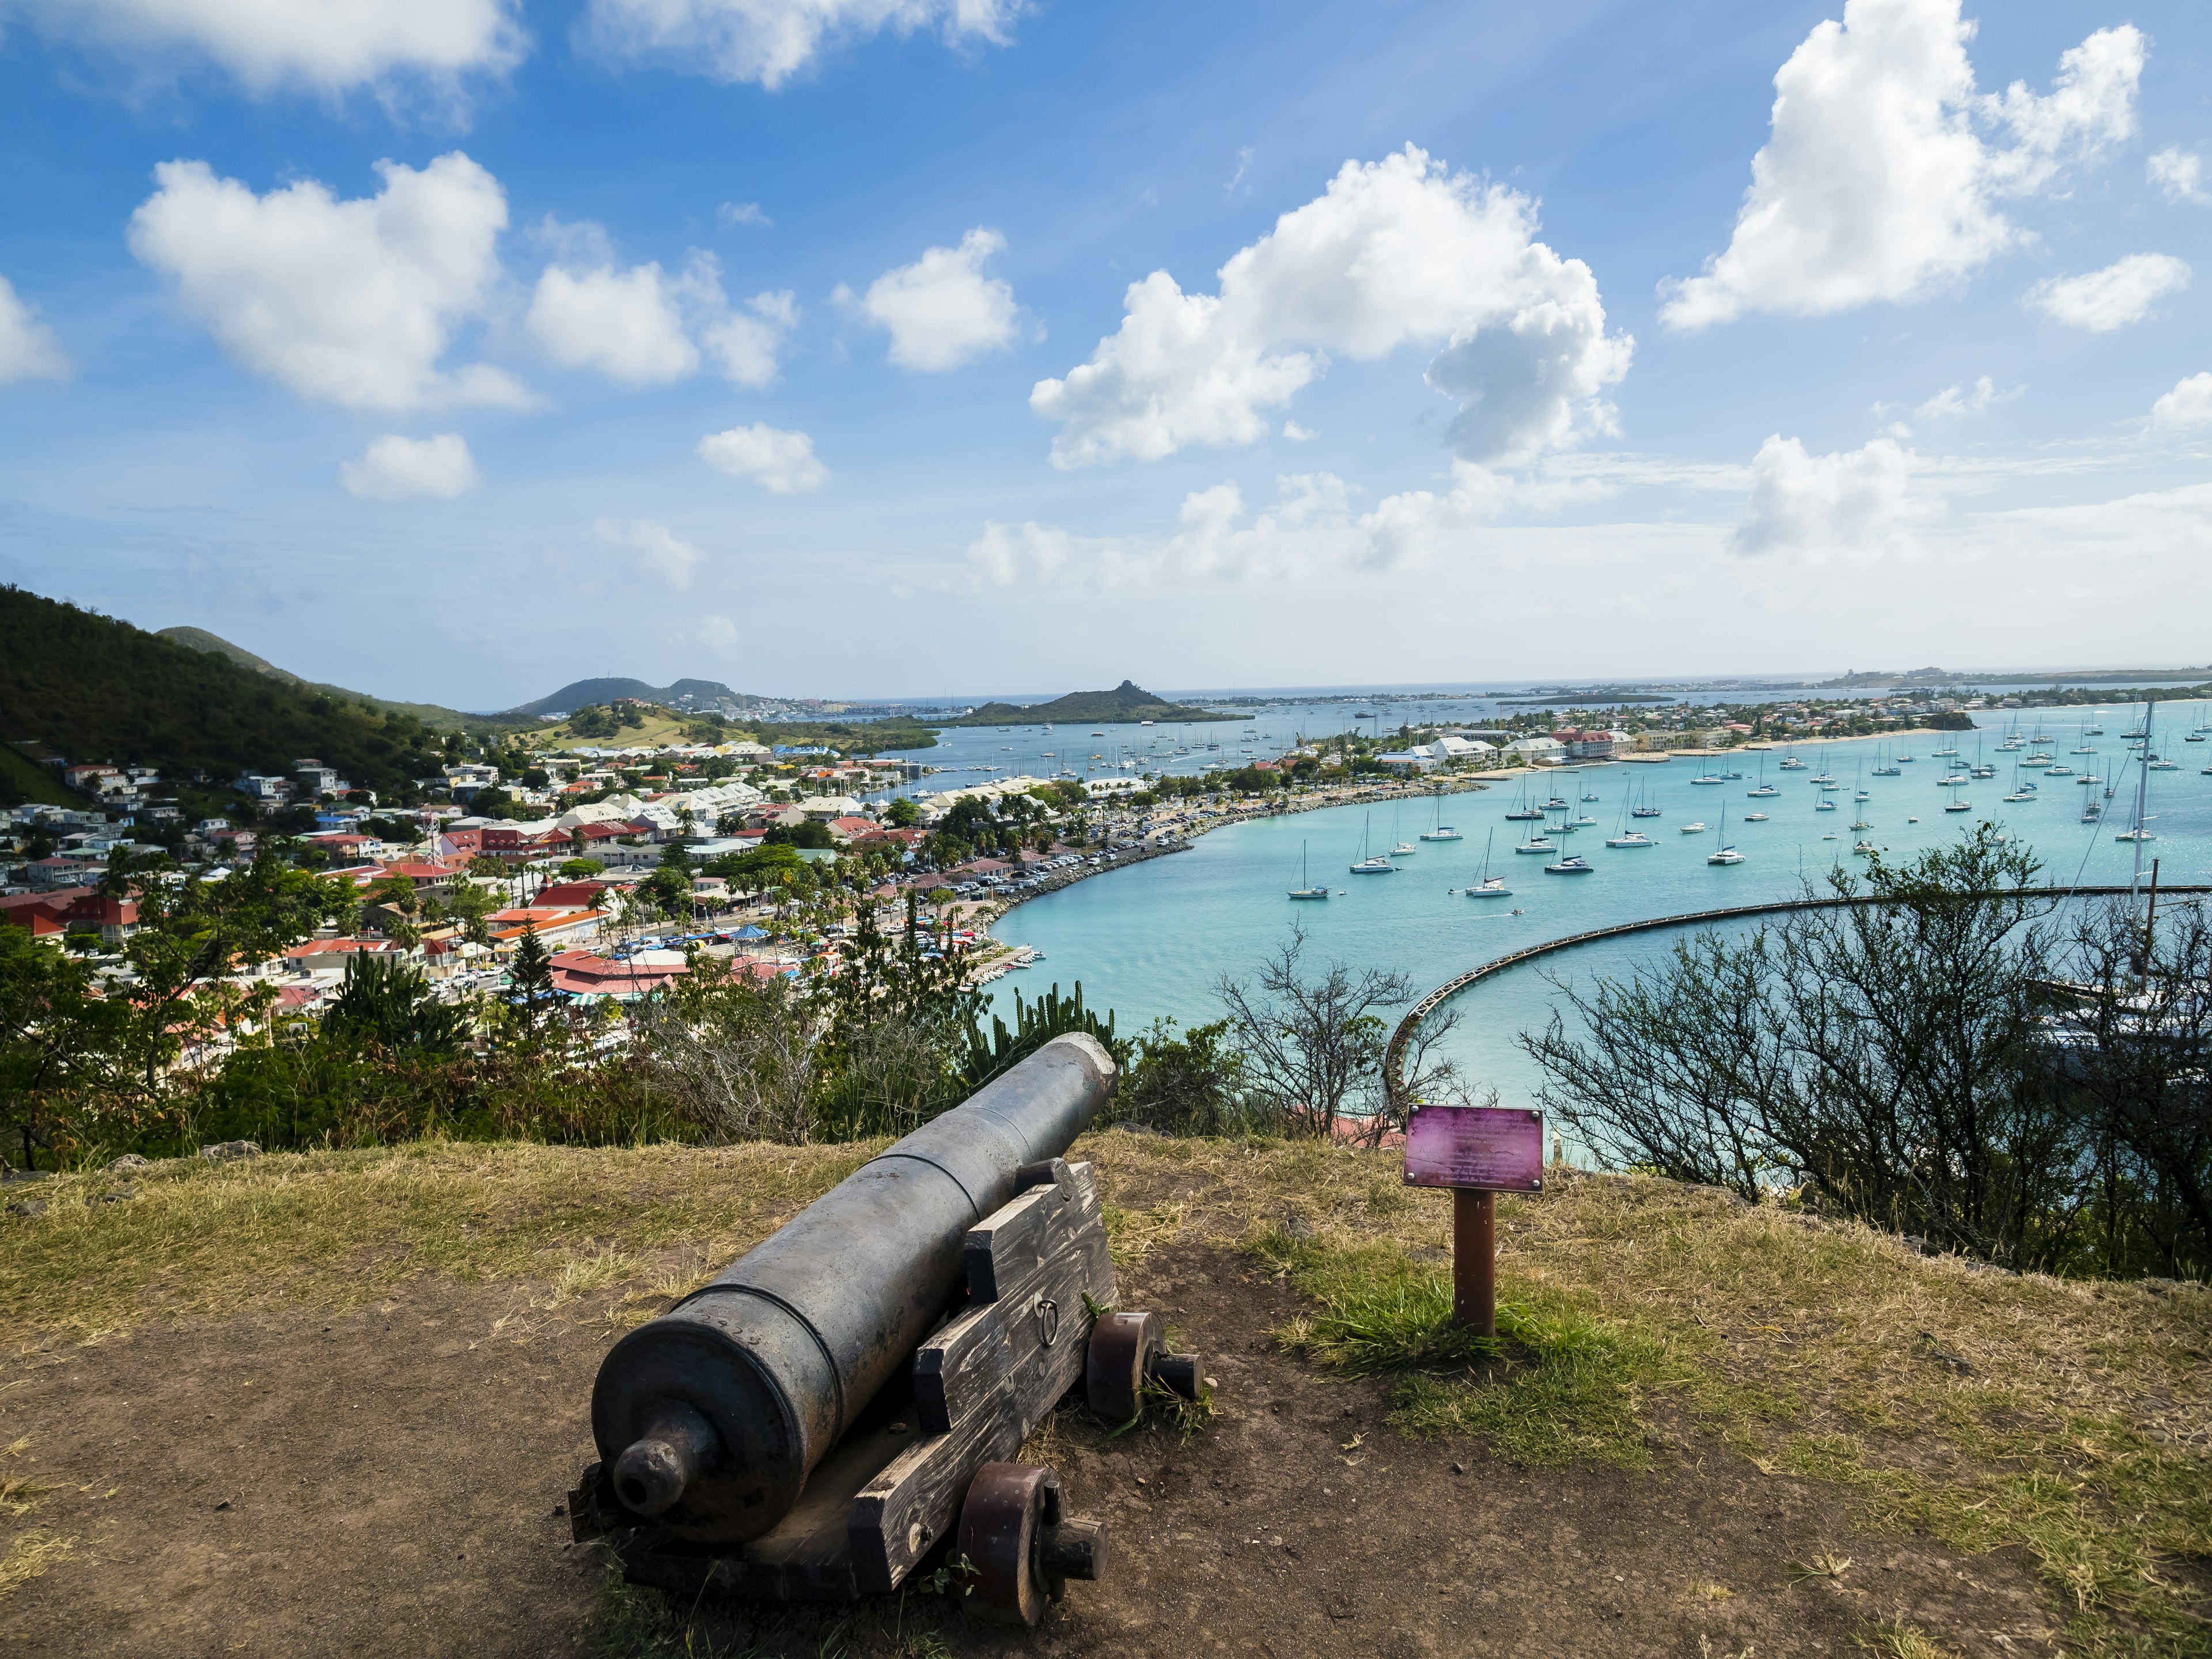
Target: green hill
{"type": "Point", "coordinates": [683, 698]}
{"type": "Point", "coordinates": [1125, 705]}
{"type": "Point", "coordinates": [430, 713]}
{"type": "Point", "coordinates": [99, 690]}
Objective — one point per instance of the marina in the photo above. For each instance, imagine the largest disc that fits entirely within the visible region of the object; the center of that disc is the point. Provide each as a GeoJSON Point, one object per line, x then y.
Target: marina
{"type": "Point", "coordinates": [1154, 939]}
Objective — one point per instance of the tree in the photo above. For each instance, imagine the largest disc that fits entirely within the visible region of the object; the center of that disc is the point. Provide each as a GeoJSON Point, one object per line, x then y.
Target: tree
{"type": "Point", "coordinates": [1191, 1084]}
{"type": "Point", "coordinates": [531, 999]}
{"type": "Point", "coordinates": [384, 1004]}
{"type": "Point", "coordinates": [61, 1044]}
{"type": "Point", "coordinates": [1313, 1048]}
{"type": "Point", "coordinates": [1884, 1055]}
{"type": "Point", "coordinates": [901, 813]}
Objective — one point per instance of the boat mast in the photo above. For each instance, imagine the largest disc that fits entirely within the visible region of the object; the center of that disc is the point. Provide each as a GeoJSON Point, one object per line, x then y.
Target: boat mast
{"type": "Point", "coordinates": [2143, 793]}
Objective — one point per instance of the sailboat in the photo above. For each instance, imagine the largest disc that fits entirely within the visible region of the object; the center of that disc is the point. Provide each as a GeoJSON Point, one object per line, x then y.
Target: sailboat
{"type": "Point", "coordinates": [1765, 791]}
{"type": "Point", "coordinates": [1302, 890]}
{"type": "Point", "coordinates": [1622, 835]}
{"type": "Point", "coordinates": [1488, 885]}
{"type": "Point", "coordinates": [1373, 864]}
{"type": "Point", "coordinates": [1443, 831]}
{"type": "Point", "coordinates": [1522, 812]}
{"type": "Point", "coordinates": [1725, 855]}
{"type": "Point", "coordinates": [1644, 808]}
{"type": "Point", "coordinates": [2139, 831]}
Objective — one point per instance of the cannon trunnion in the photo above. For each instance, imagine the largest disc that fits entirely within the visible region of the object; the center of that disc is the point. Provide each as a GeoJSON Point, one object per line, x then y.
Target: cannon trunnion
{"type": "Point", "coordinates": [843, 1399]}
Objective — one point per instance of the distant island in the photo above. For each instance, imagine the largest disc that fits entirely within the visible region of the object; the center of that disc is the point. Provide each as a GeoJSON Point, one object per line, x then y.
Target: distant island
{"type": "Point", "coordinates": [1126, 704]}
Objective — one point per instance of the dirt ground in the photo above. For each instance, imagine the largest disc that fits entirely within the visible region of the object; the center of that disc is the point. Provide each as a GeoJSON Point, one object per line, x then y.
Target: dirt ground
{"type": "Point", "coordinates": [387, 1481]}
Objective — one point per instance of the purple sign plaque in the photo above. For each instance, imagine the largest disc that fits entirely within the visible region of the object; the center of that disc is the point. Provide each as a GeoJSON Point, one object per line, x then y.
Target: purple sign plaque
{"type": "Point", "coordinates": [1494, 1148]}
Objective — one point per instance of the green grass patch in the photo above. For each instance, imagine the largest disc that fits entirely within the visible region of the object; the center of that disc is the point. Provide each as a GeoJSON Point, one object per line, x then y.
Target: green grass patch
{"type": "Point", "coordinates": [1556, 1385]}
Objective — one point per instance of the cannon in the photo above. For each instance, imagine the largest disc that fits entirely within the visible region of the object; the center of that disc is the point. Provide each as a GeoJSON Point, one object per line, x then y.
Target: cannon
{"type": "Point", "coordinates": [841, 1403]}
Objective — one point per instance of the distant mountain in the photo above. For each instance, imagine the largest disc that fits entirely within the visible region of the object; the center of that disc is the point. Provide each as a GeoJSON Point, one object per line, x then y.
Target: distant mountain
{"type": "Point", "coordinates": [94, 689]}
{"type": "Point", "coordinates": [684, 696]}
{"type": "Point", "coordinates": [198, 639]}
{"type": "Point", "coordinates": [1126, 704]}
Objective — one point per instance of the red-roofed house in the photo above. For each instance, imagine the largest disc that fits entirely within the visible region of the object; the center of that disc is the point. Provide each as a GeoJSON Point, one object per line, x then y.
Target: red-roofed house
{"type": "Point", "coordinates": [568, 895]}
{"type": "Point", "coordinates": [850, 828]}
{"type": "Point", "coordinates": [580, 973]}
{"type": "Point", "coordinates": [554, 927]}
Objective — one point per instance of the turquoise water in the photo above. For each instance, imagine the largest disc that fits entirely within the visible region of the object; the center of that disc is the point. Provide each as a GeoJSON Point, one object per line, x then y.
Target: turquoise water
{"type": "Point", "coordinates": [1156, 938]}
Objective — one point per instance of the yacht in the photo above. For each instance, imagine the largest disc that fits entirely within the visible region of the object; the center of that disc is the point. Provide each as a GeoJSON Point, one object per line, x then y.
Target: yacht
{"type": "Point", "coordinates": [1985, 771]}
{"type": "Point", "coordinates": [1958, 806]}
{"type": "Point", "coordinates": [1582, 821]}
{"type": "Point", "coordinates": [1754, 818]}
{"type": "Point", "coordinates": [1865, 849]}
{"type": "Point", "coordinates": [1725, 855]}
{"type": "Point", "coordinates": [2092, 731]}
{"type": "Point", "coordinates": [1709, 780]}
{"type": "Point", "coordinates": [1860, 824]}
{"type": "Point", "coordinates": [1489, 886]}
{"type": "Point", "coordinates": [1764, 792]}
{"type": "Point", "coordinates": [2023, 794]}
{"type": "Point", "coordinates": [2135, 835]}
{"type": "Point", "coordinates": [2088, 778]}
{"type": "Point", "coordinates": [1693, 828]}
{"type": "Point", "coordinates": [1534, 844]}
{"type": "Point", "coordinates": [1631, 838]}
{"type": "Point", "coordinates": [1404, 849]}
{"type": "Point", "coordinates": [1824, 807]}
{"type": "Point", "coordinates": [2060, 772]}
{"type": "Point", "coordinates": [1789, 764]}
{"type": "Point", "coordinates": [1571, 864]}
{"type": "Point", "coordinates": [2092, 812]}
{"type": "Point", "coordinates": [1442, 831]}
{"type": "Point", "coordinates": [1372, 864]}
{"type": "Point", "coordinates": [2165, 766]}
{"type": "Point", "coordinates": [1302, 890]}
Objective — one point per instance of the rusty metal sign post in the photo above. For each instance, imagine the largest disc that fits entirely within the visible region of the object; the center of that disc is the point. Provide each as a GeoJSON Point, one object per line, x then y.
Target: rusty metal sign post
{"type": "Point", "coordinates": [1479, 1151]}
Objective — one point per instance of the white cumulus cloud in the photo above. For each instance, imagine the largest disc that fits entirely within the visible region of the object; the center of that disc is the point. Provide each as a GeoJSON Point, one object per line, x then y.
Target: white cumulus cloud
{"type": "Point", "coordinates": [2189, 403]}
{"type": "Point", "coordinates": [655, 546]}
{"type": "Point", "coordinates": [353, 302]}
{"type": "Point", "coordinates": [1877, 182]}
{"type": "Point", "coordinates": [333, 45]}
{"type": "Point", "coordinates": [1855, 501]}
{"type": "Point", "coordinates": [721, 635]}
{"type": "Point", "coordinates": [2121, 293]}
{"type": "Point", "coordinates": [1396, 251]}
{"type": "Point", "coordinates": [2180, 175]}
{"type": "Point", "coordinates": [942, 311]}
{"type": "Point", "coordinates": [28, 350]}
{"type": "Point", "coordinates": [396, 468]}
{"type": "Point", "coordinates": [781, 463]}
{"type": "Point", "coordinates": [1310, 528]}
{"type": "Point", "coordinates": [768, 41]}
{"type": "Point", "coordinates": [646, 326]}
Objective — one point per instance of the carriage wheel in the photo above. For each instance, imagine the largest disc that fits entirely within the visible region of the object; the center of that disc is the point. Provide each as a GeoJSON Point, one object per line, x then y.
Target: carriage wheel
{"type": "Point", "coordinates": [1124, 1347]}
{"type": "Point", "coordinates": [1020, 1551]}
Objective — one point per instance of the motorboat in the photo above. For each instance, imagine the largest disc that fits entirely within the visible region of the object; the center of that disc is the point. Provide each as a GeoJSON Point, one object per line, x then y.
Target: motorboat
{"type": "Point", "coordinates": [1725, 855]}
{"type": "Point", "coordinates": [1789, 764]}
{"type": "Point", "coordinates": [1754, 818]}
{"type": "Point", "coordinates": [1693, 828]}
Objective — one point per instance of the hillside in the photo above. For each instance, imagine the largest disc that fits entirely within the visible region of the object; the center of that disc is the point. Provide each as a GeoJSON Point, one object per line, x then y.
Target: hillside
{"type": "Point", "coordinates": [1711, 1429]}
{"type": "Point", "coordinates": [97, 688]}
{"type": "Point", "coordinates": [430, 713]}
{"type": "Point", "coordinates": [1125, 705]}
{"type": "Point", "coordinates": [683, 698]}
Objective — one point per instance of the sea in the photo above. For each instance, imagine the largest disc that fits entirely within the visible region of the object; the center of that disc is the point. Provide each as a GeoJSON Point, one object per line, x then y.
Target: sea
{"type": "Point", "coordinates": [1158, 939]}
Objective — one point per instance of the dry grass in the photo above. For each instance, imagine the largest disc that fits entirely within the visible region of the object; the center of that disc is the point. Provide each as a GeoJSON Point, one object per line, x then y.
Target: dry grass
{"type": "Point", "coordinates": [2073, 1420]}
{"type": "Point", "coordinates": [341, 1228]}
{"type": "Point", "coordinates": [1899, 1640]}
{"type": "Point", "coordinates": [28, 1556]}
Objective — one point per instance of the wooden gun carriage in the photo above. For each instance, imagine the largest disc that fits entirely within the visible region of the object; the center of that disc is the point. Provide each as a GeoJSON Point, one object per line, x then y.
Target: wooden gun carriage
{"type": "Point", "coordinates": [839, 1405]}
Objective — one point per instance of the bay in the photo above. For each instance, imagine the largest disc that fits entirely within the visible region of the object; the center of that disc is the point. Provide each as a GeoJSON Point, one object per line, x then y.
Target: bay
{"type": "Point", "coordinates": [1154, 939]}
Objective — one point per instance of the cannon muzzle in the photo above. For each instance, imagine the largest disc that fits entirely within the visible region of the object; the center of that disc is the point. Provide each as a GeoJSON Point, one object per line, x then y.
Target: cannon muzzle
{"type": "Point", "coordinates": [711, 1417]}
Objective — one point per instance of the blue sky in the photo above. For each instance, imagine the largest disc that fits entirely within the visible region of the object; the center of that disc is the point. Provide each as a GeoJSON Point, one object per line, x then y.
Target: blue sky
{"type": "Point", "coordinates": [460, 348]}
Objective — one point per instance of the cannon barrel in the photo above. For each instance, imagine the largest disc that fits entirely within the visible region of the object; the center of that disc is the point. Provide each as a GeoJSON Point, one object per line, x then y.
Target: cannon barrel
{"type": "Point", "coordinates": [710, 1417]}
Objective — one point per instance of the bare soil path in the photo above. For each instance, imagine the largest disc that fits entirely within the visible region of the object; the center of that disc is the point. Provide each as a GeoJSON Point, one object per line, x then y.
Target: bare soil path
{"type": "Point", "coordinates": [385, 1480]}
